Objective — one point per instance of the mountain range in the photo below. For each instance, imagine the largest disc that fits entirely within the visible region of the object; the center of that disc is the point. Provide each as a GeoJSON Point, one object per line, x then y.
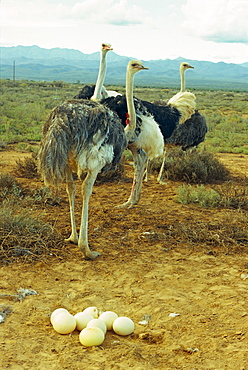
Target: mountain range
{"type": "Point", "coordinates": [69, 65]}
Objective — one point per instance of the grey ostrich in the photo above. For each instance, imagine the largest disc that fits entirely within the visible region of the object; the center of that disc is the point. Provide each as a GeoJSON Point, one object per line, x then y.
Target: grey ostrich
{"type": "Point", "coordinates": [86, 137]}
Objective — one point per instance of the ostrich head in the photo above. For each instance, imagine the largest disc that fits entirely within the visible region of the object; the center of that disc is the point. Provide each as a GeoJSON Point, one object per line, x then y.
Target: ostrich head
{"type": "Point", "coordinates": [106, 47]}
{"type": "Point", "coordinates": [184, 66]}
{"type": "Point", "coordinates": [135, 66]}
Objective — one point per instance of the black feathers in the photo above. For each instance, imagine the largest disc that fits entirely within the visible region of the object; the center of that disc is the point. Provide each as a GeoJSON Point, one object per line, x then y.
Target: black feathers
{"type": "Point", "coordinates": [86, 92]}
{"type": "Point", "coordinates": [190, 133]}
{"type": "Point", "coordinates": [166, 116]}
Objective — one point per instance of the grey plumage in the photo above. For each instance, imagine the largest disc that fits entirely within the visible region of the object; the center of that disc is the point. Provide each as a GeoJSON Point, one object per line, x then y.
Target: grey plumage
{"type": "Point", "coordinates": [80, 136]}
{"type": "Point", "coordinates": [72, 128]}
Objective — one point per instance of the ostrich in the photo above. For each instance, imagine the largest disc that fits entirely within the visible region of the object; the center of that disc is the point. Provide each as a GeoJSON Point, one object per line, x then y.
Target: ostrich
{"type": "Point", "coordinates": [86, 137]}
{"type": "Point", "coordinates": [183, 68]}
{"type": "Point", "coordinates": [167, 117]}
{"type": "Point", "coordinates": [190, 128]}
{"type": "Point", "coordinates": [98, 92]}
{"type": "Point", "coordinates": [148, 142]}
{"type": "Point", "coordinates": [184, 100]}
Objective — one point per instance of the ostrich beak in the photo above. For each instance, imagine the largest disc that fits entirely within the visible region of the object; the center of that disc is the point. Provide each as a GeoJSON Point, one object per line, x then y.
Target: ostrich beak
{"type": "Point", "coordinates": [107, 47]}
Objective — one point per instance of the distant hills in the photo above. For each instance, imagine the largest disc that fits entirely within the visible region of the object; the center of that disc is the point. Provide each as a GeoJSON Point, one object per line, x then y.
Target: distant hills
{"type": "Point", "coordinates": [69, 65]}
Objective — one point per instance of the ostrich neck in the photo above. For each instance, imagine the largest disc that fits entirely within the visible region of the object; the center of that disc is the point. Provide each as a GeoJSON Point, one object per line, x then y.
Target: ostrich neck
{"type": "Point", "coordinates": [101, 76]}
{"type": "Point", "coordinates": [130, 102]}
{"type": "Point", "coordinates": [182, 81]}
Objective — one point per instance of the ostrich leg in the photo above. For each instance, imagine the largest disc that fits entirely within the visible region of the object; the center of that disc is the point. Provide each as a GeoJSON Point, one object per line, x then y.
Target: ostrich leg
{"type": "Point", "coordinates": [140, 160]}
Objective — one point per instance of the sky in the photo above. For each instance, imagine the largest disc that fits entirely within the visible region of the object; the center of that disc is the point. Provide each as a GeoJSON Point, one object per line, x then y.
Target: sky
{"type": "Point", "coordinates": [209, 30]}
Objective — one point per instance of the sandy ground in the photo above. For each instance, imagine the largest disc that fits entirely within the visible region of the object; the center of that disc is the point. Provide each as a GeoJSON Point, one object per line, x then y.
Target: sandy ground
{"type": "Point", "coordinates": [138, 273]}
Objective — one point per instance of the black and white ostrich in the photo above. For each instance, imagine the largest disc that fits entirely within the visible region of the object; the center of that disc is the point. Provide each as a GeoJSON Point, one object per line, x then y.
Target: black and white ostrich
{"type": "Point", "coordinates": [98, 92]}
{"type": "Point", "coordinates": [86, 137]}
{"type": "Point", "coordinates": [167, 117]}
{"type": "Point", "coordinates": [149, 142]}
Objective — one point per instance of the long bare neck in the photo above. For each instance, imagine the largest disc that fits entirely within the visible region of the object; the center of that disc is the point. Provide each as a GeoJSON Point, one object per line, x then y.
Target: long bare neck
{"type": "Point", "coordinates": [130, 102]}
{"type": "Point", "coordinates": [100, 79]}
{"type": "Point", "coordinates": [182, 76]}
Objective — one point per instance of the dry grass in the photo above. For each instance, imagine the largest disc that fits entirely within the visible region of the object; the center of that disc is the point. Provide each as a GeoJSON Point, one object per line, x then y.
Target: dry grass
{"type": "Point", "coordinates": [233, 196]}
{"type": "Point", "coordinates": [230, 234]}
{"type": "Point", "coordinates": [27, 168]}
{"type": "Point", "coordinates": [25, 237]}
{"type": "Point", "coordinates": [10, 187]}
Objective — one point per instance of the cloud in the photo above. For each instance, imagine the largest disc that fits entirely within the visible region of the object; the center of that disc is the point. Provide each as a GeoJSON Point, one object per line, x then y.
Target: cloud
{"type": "Point", "coordinates": [218, 21]}
{"type": "Point", "coordinates": [28, 13]}
{"type": "Point", "coordinates": [110, 12]}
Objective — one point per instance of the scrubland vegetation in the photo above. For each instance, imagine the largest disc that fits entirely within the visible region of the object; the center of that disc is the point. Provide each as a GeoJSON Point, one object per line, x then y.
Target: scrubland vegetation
{"type": "Point", "coordinates": [26, 104]}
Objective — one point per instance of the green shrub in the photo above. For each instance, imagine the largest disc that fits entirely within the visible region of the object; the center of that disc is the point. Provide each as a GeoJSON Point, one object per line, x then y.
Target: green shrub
{"type": "Point", "coordinates": [204, 197]}
{"type": "Point", "coordinates": [227, 196]}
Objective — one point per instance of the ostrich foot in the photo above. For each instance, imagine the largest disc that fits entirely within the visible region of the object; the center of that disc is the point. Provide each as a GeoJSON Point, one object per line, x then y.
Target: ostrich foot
{"type": "Point", "coordinates": [125, 205]}
{"type": "Point", "coordinates": [72, 239]}
{"type": "Point", "coordinates": [91, 255]}
{"type": "Point", "coordinates": [161, 182]}
{"type": "Point", "coordinates": [145, 177]}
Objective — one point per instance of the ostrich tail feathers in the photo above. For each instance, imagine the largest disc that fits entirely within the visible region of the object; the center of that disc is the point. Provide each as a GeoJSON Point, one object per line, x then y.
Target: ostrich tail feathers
{"type": "Point", "coordinates": [53, 153]}
{"type": "Point", "coordinates": [186, 104]}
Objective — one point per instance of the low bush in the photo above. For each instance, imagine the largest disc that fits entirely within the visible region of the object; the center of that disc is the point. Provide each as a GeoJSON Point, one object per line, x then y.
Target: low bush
{"type": "Point", "coordinates": [204, 197]}
{"type": "Point", "coordinates": [9, 187]}
{"type": "Point", "coordinates": [191, 166]}
{"type": "Point", "coordinates": [227, 196]}
{"type": "Point", "coordinates": [27, 168]}
{"type": "Point", "coordinates": [25, 237]}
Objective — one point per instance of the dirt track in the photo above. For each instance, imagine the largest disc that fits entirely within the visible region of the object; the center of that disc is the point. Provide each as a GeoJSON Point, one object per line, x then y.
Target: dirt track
{"type": "Point", "coordinates": [138, 273]}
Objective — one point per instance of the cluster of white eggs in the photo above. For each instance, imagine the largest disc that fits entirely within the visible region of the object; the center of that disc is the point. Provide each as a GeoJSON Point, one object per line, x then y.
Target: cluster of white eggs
{"type": "Point", "coordinates": [92, 324]}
